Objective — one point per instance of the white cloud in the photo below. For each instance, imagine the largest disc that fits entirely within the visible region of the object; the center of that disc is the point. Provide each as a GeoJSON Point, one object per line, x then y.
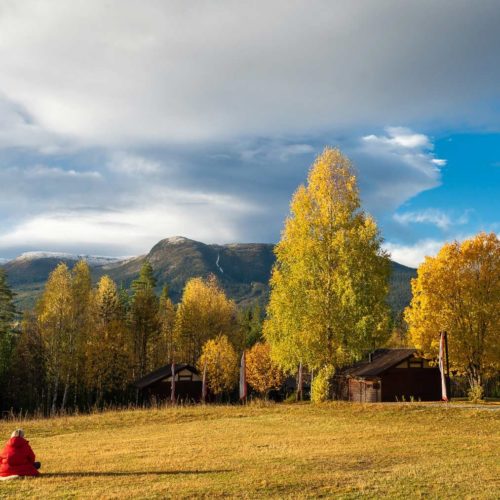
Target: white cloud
{"type": "Point", "coordinates": [413, 255]}
{"type": "Point", "coordinates": [395, 167]}
{"type": "Point", "coordinates": [401, 137]}
{"type": "Point", "coordinates": [43, 171]}
{"type": "Point", "coordinates": [432, 216]}
{"type": "Point", "coordinates": [128, 164]}
{"type": "Point", "coordinates": [428, 216]}
{"type": "Point", "coordinates": [125, 73]}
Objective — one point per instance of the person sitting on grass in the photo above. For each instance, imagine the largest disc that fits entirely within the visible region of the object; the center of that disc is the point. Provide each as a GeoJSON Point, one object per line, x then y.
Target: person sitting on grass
{"type": "Point", "coordinates": [17, 458]}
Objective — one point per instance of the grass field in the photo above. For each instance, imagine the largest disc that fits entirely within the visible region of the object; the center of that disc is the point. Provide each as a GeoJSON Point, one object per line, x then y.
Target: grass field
{"type": "Point", "coordinates": [301, 450]}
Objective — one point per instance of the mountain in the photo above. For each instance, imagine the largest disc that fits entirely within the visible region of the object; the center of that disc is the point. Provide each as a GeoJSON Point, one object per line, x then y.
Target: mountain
{"type": "Point", "coordinates": [28, 273]}
{"type": "Point", "coordinates": [243, 270]}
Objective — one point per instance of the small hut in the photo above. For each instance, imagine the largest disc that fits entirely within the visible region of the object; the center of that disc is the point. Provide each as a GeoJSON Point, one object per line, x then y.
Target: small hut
{"type": "Point", "coordinates": [158, 384]}
{"type": "Point", "coordinates": [390, 375]}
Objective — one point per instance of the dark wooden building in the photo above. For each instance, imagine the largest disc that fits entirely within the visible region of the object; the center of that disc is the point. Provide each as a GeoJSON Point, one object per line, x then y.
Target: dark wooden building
{"type": "Point", "coordinates": [390, 375]}
{"type": "Point", "coordinates": [157, 385]}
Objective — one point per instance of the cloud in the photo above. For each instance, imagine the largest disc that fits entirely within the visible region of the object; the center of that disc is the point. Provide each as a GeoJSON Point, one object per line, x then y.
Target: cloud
{"type": "Point", "coordinates": [129, 164]}
{"type": "Point", "coordinates": [428, 216]}
{"type": "Point", "coordinates": [125, 73]}
{"type": "Point", "coordinates": [413, 255]}
{"type": "Point", "coordinates": [394, 167]}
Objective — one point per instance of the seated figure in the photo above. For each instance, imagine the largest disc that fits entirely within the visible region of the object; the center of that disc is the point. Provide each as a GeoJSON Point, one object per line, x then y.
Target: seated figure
{"type": "Point", "coordinates": [17, 458]}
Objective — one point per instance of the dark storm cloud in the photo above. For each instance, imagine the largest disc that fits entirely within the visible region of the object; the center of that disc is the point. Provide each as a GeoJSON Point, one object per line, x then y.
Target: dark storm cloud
{"type": "Point", "coordinates": [201, 118]}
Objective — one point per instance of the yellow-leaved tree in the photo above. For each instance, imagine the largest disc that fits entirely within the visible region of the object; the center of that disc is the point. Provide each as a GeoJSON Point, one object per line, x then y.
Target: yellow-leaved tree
{"type": "Point", "coordinates": [262, 373]}
{"type": "Point", "coordinates": [55, 320]}
{"type": "Point", "coordinates": [458, 291]}
{"type": "Point", "coordinates": [329, 284]}
{"type": "Point", "coordinates": [221, 362]}
{"type": "Point", "coordinates": [109, 353]}
{"type": "Point", "coordinates": [204, 313]}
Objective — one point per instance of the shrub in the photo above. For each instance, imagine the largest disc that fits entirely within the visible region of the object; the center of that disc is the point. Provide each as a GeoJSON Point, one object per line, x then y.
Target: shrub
{"type": "Point", "coordinates": [321, 386]}
{"type": "Point", "coordinates": [475, 393]}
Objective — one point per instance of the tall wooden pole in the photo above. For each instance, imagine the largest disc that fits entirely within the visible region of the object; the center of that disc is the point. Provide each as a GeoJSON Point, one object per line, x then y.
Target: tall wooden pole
{"type": "Point", "coordinates": [448, 382]}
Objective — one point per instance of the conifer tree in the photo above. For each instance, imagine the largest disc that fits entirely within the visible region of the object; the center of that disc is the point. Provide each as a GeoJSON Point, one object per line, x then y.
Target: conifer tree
{"type": "Point", "coordinates": [26, 380]}
{"type": "Point", "coordinates": [329, 284]}
{"type": "Point", "coordinates": [143, 317]}
{"type": "Point", "coordinates": [7, 334]}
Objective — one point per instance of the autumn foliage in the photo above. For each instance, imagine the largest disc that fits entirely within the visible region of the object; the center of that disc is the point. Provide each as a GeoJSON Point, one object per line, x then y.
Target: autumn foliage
{"type": "Point", "coordinates": [262, 373]}
{"type": "Point", "coordinates": [458, 291]}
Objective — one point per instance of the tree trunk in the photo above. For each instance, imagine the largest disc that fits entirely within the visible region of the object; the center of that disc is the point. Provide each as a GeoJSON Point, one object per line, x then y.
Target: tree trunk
{"type": "Point", "coordinates": [54, 397]}
{"type": "Point", "coordinates": [65, 394]}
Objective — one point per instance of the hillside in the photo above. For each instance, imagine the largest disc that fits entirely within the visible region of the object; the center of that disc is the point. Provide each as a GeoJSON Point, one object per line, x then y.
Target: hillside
{"type": "Point", "coordinates": [242, 268]}
{"type": "Point", "coordinates": [259, 451]}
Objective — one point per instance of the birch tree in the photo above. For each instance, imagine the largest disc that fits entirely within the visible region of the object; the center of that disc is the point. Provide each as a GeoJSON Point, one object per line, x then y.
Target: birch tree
{"type": "Point", "coordinates": [329, 284]}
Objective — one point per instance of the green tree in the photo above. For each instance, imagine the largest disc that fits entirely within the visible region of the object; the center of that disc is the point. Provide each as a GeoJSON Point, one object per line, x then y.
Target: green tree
{"type": "Point", "coordinates": [26, 380]}
{"type": "Point", "coordinates": [250, 320]}
{"type": "Point", "coordinates": [329, 284]}
{"type": "Point", "coordinates": [143, 317]}
{"type": "Point", "coordinates": [7, 331]}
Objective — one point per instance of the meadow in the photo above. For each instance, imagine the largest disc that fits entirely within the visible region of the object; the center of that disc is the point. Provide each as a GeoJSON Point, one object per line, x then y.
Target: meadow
{"type": "Point", "coordinates": [302, 450]}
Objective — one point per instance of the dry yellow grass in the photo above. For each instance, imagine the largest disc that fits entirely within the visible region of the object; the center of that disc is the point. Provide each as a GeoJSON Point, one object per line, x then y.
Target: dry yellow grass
{"type": "Point", "coordinates": [344, 450]}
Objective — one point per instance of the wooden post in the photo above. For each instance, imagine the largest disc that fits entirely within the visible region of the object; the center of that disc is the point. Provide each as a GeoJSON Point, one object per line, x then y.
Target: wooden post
{"type": "Point", "coordinates": [448, 381]}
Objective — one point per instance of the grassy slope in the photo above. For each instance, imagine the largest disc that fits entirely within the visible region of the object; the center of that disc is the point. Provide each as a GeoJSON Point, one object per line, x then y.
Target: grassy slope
{"type": "Point", "coordinates": [281, 450]}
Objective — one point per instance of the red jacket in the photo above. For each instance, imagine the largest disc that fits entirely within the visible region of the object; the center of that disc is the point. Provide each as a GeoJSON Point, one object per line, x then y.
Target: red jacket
{"type": "Point", "coordinates": [17, 458]}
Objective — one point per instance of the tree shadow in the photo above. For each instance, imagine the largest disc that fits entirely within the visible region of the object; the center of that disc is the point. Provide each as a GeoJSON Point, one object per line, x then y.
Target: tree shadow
{"type": "Point", "coordinates": [131, 473]}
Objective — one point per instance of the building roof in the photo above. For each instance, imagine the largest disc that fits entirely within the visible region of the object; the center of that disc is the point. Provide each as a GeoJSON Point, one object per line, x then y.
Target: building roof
{"type": "Point", "coordinates": [381, 360]}
{"type": "Point", "coordinates": [161, 373]}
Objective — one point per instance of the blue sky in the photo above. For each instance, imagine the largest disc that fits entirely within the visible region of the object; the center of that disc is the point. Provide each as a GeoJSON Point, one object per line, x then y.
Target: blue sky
{"type": "Point", "coordinates": [122, 123]}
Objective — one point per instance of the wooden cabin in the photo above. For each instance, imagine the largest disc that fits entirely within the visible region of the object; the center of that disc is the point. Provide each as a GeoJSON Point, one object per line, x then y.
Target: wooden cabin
{"type": "Point", "coordinates": [390, 375]}
{"type": "Point", "coordinates": [157, 385]}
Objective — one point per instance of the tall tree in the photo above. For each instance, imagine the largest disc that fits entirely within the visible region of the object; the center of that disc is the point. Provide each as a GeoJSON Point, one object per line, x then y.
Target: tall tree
{"type": "Point", "coordinates": [250, 320]}
{"type": "Point", "coordinates": [458, 291]}
{"type": "Point", "coordinates": [330, 281]}
{"type": "Point", "coordinates": [164, 349]}
{"type": "Point", "coordinates": [26, 380]}
{"type": "Point", "coordinates": [7, 320]}
{"type": "Point", "coordinates": [108, 352]}
{"type": "Point", "coordinates": [81, 292]}
{"type": "Point", "coordinates": [204, 313]}
{"type": "Point", "coordinates": [143, 317]}
{"type": "Point", "coordinates": [55, 319]}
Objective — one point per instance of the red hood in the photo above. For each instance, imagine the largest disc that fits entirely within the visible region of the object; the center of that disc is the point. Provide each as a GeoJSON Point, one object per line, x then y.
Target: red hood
{"type": "Point", "coordinates": [17, 442]}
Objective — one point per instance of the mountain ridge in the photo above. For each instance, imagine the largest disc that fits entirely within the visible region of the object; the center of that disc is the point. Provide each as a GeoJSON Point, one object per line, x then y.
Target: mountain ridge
{"type": "Point", "coordinates": [243, 270]}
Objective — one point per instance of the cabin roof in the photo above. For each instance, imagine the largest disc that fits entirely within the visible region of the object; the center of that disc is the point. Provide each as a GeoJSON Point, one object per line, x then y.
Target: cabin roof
{"type": "Point", "coordinates": [161, 373]}
{"type": "Point", "coordinates": [381, 360]}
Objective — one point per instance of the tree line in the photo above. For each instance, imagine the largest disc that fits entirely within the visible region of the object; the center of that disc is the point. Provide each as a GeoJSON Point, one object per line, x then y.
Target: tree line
{"type": "Point", "coordinates": [85, 345]}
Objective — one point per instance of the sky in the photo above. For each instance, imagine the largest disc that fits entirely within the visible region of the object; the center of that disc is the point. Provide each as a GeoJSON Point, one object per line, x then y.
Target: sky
{"type": "Point", "coordinates": [125, 122]}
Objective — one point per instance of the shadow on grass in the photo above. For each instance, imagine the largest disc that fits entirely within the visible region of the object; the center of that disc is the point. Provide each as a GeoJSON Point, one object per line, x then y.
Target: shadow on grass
{"type": "Point", "coordinates": [131, 473]}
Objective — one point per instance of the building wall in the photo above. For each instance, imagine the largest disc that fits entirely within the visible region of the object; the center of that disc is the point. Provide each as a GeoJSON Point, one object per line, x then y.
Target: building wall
{"type": "Point", "coordinates": [422, 384]}
{"type": "Point", "coordinates": [364, 391]}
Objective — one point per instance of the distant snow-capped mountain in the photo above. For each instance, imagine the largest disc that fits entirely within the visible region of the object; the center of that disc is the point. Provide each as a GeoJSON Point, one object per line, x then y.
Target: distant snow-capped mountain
{"type": "Point", "coordinates": [92, 260]}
